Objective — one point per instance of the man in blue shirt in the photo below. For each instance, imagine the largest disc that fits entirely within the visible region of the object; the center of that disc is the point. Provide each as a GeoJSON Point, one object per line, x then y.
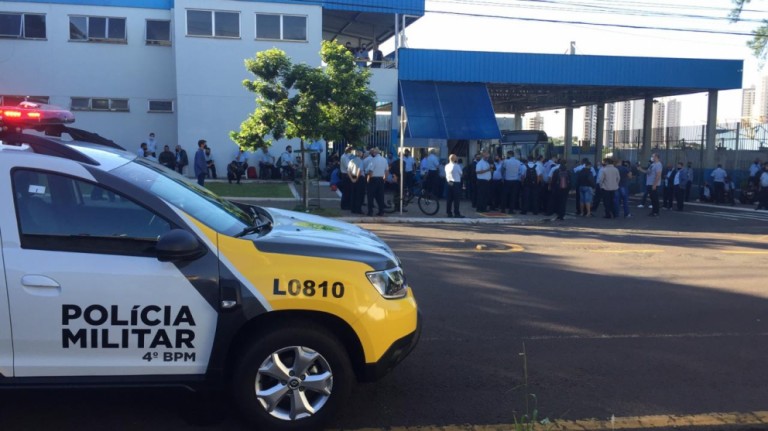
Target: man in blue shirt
{"type": "Point", "coordinates": [679, 184]}
{"type": "Point", "coordinates": [718, 177]}
{"type": "Point", "coordinates": [201, 166]}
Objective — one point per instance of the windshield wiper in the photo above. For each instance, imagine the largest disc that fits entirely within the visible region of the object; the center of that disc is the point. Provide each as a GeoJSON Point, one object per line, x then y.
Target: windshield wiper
{"type": "Point", "coordinates": [257, 227]}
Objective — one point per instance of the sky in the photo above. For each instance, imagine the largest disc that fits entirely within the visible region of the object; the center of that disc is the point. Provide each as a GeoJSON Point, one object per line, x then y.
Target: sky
{"type": "Point", "coordinates": [485, 25]}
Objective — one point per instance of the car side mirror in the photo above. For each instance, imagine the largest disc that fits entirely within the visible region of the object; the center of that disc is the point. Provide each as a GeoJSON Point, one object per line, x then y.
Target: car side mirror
{"type": "Point", "coordinates": [178, 245]}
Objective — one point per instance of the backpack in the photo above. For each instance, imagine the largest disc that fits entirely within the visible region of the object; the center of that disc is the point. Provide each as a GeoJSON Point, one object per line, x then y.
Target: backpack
{"type": "Point", "coordinates": [561, 180]}
{"type": "Point", "coordinates": [530, 175]}
{"type": "Point", "coordinates": [586, 179]}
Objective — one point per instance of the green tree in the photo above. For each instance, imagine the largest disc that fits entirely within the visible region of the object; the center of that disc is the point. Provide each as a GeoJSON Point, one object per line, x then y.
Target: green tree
{"type": "Point", "coordinates": [308, 103]}
{"type": "Point", "coordinates": [759, 42]}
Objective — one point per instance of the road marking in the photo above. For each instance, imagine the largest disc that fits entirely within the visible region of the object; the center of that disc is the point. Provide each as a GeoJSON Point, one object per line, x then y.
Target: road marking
{"type": "Point", "coordinates": [627, 251]}
{"type": "Point", "coordinates": [616, 423]}
{"type": "Point", "coordinates": [744, 252]}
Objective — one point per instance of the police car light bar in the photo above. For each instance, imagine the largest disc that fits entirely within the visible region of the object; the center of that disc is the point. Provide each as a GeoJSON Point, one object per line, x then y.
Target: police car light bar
{"type": "Point", "coordinates": [31, 114]}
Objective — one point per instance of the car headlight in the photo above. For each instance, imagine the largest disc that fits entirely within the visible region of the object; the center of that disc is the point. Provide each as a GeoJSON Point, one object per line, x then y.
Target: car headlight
{"type": "Point", "coordinates": [390, 283]}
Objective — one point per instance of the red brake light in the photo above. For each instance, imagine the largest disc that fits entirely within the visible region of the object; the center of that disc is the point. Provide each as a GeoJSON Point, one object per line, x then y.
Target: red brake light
{"type": "Point", "coordinates": [32, 114]}
{"type": "Point", "coordinates": [35, 115]}
{"type": "Point", "coordinates": [12, 114]}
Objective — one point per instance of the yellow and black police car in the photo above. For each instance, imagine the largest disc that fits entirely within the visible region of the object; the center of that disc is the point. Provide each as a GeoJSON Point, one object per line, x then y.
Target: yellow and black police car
{"type": "Point", "coordinates": [117, 271]}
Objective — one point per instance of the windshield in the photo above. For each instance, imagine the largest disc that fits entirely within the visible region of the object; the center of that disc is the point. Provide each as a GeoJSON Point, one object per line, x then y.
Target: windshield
{"type": "Point", "coordinates": [213, 211]}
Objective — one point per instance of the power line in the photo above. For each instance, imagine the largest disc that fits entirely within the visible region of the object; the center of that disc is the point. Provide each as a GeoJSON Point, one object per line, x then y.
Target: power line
{"type": "Point", "coordinates": [595, 24]}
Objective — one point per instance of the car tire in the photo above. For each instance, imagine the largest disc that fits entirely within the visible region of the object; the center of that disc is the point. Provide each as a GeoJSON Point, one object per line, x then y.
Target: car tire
{"type": "Point", "coordinates": [276, 393]}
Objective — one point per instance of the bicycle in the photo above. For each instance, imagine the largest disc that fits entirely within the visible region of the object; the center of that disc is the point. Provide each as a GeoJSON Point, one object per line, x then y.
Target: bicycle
{"type": "Point", "coordinates": [428, 203]}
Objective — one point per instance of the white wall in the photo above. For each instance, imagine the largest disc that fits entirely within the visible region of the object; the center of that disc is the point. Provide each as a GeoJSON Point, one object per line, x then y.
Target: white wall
{"type": "Point", "coordinates": [210, 72]}
{"type": "Point", "coordinates": [62, 69]}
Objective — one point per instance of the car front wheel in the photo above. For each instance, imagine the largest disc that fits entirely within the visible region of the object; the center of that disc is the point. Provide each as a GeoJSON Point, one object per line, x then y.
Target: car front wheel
{"type": "Point", "coordinates": [292, 379]}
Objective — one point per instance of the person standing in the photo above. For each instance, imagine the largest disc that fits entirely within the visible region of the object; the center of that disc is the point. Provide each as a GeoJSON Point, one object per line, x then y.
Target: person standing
{"type": "Point", "coordinates": [498, 197]}
{"type": "Point", "coordinates": [689, 184]}
{"type": "Point", "coordinates": [622, 195]}
{"type": "Point", "coordinates": [560, 185]}
{"type": "Point", "coordinates": [377, 57]}
{"type": "Point", "coordinates": [376, 173]}
{"type": "Point", "coordinates": [652, 182]}
{"type": "Point", "coordinates": [142, 151]}
{"type": "Point", "coordinates": [585, 181]}
{"type": "Point", "coordinates": [531, 181]}
{"type": "Point", "coordinates": [201, 166]}
{"type": "Point", "coordinates": [754, 172]}
{"type": "Point", "coordinates": [152, 145]}
{"type": "Point", "coordinates": [357, 181]}
{"type": "Point", "coordinates": [718, 177]}
{"type": "Point", "coordinates": [483, 174]}
{"type": "Point", "coordinates": [668, 193]}
{"type": "Point", "coordinates": [453, 173]}
{"type": "Point", "coordinates": [762, 179]}
{"type": "Point", "coordinates": [679, 184]}
{"type": "Point", "coordinates": [167, 158]}
{"type": "Point", "coordinates": [511, 196]}
{"type": "Point", "coordinates": [609, 183]}
{"type": "Point", "coordinates": [346, 184]}
{"type": "Point", "coordinates": [181, 159]}
{"type": "Point", "coordinates": [432, 183]}
{"type": "Point", "coordinates": [408, 166]}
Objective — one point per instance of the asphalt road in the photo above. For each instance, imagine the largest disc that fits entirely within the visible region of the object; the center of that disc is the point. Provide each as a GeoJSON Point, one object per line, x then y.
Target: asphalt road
{"type": "Point", "coordinates": [630, 317]}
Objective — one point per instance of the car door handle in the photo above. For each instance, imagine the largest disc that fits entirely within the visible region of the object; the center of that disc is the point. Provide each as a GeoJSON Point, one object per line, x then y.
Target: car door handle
{"type": "Point", "coordinates": [40, 285]}
{"type": "Point", "coordinates": [38, 281]}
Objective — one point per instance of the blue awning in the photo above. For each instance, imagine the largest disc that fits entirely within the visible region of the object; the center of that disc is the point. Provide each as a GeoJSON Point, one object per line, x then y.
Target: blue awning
{"type": "Point", "coordinates": [441, 110]}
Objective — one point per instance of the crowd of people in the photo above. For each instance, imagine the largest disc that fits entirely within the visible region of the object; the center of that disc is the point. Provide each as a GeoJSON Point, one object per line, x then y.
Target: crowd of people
{"type": "Point", "coordinates": [505, 183]}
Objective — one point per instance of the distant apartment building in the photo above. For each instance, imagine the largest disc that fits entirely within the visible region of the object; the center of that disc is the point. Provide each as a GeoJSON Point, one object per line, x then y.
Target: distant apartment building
{"type": "Point", "coordinates": [589, 131]}
{"type": "Point", "coordinates": [748, 96]}
{"type": "Point", "coordinates": [658, 123]}
{"type": "Point", "coordinates": [674, 107]}
{"type": "Point", "coordinates": [763, 100]}
{"type": "Point", "coordinates": [610, 123]}
{"type": "Point", "coordinates": [536, 122]}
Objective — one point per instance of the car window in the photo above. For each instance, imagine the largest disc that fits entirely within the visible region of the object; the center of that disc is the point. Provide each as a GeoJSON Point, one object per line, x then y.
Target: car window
{"type": "Point", "coordinates": [213, 211]}
{"type": "Point", "coordinates": [74, 214]}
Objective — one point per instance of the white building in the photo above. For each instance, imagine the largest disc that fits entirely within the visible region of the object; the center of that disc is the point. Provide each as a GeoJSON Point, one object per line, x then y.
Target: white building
{"type": "Point", "coordinates": [674, 108]}
{"type": "Point", "coordinates": [748, 96]}
{"type": "Point", "coordinates": [174, 67]}
{"type": "Point", "coordinates": [536, 122]}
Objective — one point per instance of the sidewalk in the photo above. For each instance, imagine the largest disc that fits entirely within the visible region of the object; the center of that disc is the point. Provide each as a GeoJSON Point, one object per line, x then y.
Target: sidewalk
{"type": "Point", "coordinates": [330, 201]}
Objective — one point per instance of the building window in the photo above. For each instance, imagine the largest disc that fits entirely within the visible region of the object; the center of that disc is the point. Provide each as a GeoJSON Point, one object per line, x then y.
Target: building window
{"type": "Point", "coordinates": [209, 23]}
{"type": "Point", "coordinates": [281, 27]}
{"type": "Point", "coordinates": [97, 29]}
{"type": "Point", "coordinates": [99, 104]}
{"type": "Point", "coordinates": [160, 106]}
{"type": "Point", "coordinates": [158, 32]}
{"type": "Point", "coordinates": [10, 100]}
{"type": "Point", "coordinates": [22, 25]}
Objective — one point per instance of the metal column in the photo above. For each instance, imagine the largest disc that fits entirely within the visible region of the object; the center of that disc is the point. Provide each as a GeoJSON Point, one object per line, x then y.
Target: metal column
{"type": "Point", "coordinates": [709, 160]}
{"type": "Point", "coordinates": [599, 133]}
{"type": "Point", "coordinates": [647, 129]}
{"type": "Point", "coordinates": [568, 133]}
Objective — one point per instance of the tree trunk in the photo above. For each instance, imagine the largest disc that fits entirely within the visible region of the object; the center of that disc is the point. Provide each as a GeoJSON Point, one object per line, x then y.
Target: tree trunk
{"type": "Point", "coordinates": [304, 185]}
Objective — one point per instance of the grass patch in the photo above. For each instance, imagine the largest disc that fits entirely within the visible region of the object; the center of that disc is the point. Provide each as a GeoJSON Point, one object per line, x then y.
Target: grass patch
{"type": "Point", "coordinates": [325, 212]}
{"type": "Point", "coordinates": [250, 190]}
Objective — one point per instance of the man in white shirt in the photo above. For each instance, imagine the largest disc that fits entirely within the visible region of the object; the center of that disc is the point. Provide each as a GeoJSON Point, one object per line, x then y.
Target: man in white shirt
{"type": "Point", "coordinates": [483, 174]}
{"type": "Point", "coordinates": [432, 183]}
{"type": "Point", "coordinates": [266, 163]}
{"type": "Point", "coordinates": [376, 171]}
{"type": "Point", "coordinates": [453, 173]}
{"type": "Point", "coordinates": [511, 175]}
{"type": "Point", "coordinates": [288, 163]}
{"type": "Point", "coordinates": [152, 145]}
{"type": "Point", "coordinates": [356, 177]}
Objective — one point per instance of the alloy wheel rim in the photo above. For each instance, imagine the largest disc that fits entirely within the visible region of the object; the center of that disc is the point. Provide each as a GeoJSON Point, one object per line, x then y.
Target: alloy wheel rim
{"type": "Point", "coordinates": [294, 383]}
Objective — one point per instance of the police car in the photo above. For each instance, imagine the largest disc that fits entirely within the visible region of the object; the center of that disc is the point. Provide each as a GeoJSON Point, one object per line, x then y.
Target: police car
{"type": "Point", "coordinates": [117, 271]}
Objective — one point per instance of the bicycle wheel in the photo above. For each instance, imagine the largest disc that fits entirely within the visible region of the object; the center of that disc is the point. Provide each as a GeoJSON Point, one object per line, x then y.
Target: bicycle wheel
{"type": "Point", "coordinates": [428, 205]}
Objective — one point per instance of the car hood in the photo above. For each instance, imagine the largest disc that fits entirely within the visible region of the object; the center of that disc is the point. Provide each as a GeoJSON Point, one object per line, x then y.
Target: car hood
{"type": "Point", "coordinates": [310, 235]}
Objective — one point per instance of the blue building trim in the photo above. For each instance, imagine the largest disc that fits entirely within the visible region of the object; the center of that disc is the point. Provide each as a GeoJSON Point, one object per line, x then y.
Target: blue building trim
{"type": "Point", "coordinates": [407, 7]}
{"type": "Point", "coordinates": [572, 70]}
